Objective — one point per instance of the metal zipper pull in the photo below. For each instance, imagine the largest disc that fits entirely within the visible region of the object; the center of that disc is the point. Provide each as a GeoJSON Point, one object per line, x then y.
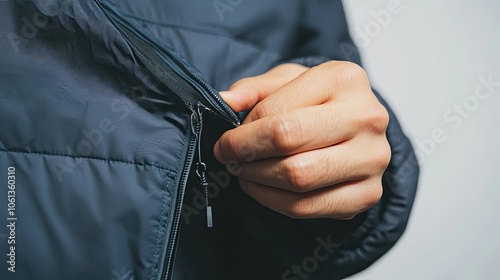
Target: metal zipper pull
{"type": "Point", "coordinates": [201, 167]}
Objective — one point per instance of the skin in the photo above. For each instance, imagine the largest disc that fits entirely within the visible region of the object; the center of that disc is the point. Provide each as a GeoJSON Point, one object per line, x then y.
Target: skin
{"type": "Point", "coordinates": [313, 144]}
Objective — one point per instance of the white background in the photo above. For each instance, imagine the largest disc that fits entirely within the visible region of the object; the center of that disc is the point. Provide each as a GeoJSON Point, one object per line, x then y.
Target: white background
{"type": "Point", "coordinates": [425, 60]}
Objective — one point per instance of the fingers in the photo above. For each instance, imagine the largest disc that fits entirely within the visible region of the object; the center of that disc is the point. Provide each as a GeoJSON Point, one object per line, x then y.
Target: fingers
{"type": "Point", "coordinates": [278, 134]}
{"type": "Point", "coordinates": [246, 93]}
{"type": "Point", "coordinates": [315, 86]}
{"type": "Point", "coordinates": [285, 134]}
{"type": "Point", "coordinates": [300, 130]}
{"type": "Point", "coordinates": [342, 201]}
{"type": "Point", "coordinates": [313, 144]}
{"type": "Point", "coordinates": [309, 171]}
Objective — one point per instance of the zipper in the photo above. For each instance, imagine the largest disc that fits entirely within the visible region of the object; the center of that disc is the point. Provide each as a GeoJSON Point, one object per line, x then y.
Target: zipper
{"type": "Point", "coordinates": [196, 125]}
{"type": "Point", "coordinates": [171, 246]}
{"type": "Point", "coordinates": [186, 84]}
{"type": "Point", "coordinates": [165, 66]}
{"type": "Point", "coordinates": [201, 167]}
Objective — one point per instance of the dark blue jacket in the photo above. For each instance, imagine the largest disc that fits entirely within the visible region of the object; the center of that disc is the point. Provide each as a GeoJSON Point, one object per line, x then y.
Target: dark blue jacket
{"type": "Point", "coordinates": [102, 104]}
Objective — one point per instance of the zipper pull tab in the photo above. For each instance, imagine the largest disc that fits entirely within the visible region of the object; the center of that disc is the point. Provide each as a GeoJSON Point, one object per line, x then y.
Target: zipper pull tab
{"type": "Point", "coordinates": [201, 167]}
{"type": "Point", "coordinates": [200, 171]}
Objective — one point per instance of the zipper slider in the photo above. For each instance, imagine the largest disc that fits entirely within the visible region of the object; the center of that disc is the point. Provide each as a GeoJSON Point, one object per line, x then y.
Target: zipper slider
{"type": "Point", "coordinates": [201, 167]}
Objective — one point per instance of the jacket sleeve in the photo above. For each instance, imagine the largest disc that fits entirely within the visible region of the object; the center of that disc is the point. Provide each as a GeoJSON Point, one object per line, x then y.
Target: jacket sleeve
{"type": "Point", "coordinates": [323, 35]}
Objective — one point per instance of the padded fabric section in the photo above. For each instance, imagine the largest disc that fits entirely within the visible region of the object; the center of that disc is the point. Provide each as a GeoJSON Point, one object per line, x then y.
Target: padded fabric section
{"type": "Point", "coordinates": [103, 212]}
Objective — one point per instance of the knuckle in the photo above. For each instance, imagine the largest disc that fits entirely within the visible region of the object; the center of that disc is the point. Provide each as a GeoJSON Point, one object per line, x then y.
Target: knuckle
{"type": "Point", "coordinates": [286, 133]}
{"type": "Point", "coordinates": [342, 210]}
{"type": "Point", "coordinates": [346, 70]}
{"type": "Point", "coordinates": [381, 157]}
{"type": "Point", "coordinates": [299, 208]}
{"type": "Point", "coordinates": [298, 175]}
{"type": "Point", "coordinates": [385, 155]}
{"type": "Point", "coordinates": [262, 110]}
{"type": "Point", "coordinates": [371, 196]}
{"type": "Point", "coordinates": [376, 120]}
{"type": "Point", "coordinates": [380, 120]}
{"type": "Point", "coordinates": [344, 75]}
{"type": "Point", "coordinates": [370, 193]}
{"type": "Point", "coordinates": [352, 70]}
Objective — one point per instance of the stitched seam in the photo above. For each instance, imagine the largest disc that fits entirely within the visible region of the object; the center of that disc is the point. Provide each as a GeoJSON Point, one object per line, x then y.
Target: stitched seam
{"type": "Point", "coordinates": [164, 214]}
{"type": "Point", "coordinates": [160, 228]}
{"type": "Point", "coordinates": [160, 244]}
{"type": "Point", "coordinates": [89, 158]}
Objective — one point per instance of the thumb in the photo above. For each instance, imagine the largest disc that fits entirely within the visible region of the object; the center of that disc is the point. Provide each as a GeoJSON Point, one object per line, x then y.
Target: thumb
{"type": "Point", "coordinates": [247, 92]}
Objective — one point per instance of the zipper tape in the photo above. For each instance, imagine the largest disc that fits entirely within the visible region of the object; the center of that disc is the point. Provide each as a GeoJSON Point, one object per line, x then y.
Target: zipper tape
{"type": "Point", "coordinates": [168, 68]}
{"type": "Point", "coordinates": [182, 80]}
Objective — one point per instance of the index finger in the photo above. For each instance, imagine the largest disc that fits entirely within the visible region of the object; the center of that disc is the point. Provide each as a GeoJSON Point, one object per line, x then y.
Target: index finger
{"type": "Point", "coordinates": [315, 86]}
{"type": "Point", "coordinates": [293, 132]}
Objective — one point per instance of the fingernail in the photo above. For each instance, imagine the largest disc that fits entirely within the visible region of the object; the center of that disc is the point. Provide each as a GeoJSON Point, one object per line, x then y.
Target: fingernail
{"type": "Point", "coordinates": [225, 93]}
{"type": "Point", "coordinates": [244, 186]}
{"type": "Point", "coordinates": [237, 91]}
{"type": "Point", "coordinates": [218, 154]}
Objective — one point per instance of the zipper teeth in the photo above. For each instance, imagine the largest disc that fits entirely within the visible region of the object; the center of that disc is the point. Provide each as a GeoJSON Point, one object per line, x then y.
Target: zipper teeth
{"type": "Point", "coordinates": [146, 57]}
{"type": "Point", "coordinates": [227, 112]}
{"type": "Point", "coordinates": [178, 207]}
{"type": "Point", "coordinates": [204, 89]}
{"type": "Point", "coordinates": [230, 115]}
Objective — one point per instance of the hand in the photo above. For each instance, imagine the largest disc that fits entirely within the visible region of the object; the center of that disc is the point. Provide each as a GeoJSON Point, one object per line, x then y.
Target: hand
{"type": "Point", "coordinates": [313, 144]}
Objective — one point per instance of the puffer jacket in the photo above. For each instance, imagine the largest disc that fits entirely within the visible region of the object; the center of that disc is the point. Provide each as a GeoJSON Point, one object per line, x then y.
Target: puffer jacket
{"type": "Point", "coordinates": [109, 111]}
